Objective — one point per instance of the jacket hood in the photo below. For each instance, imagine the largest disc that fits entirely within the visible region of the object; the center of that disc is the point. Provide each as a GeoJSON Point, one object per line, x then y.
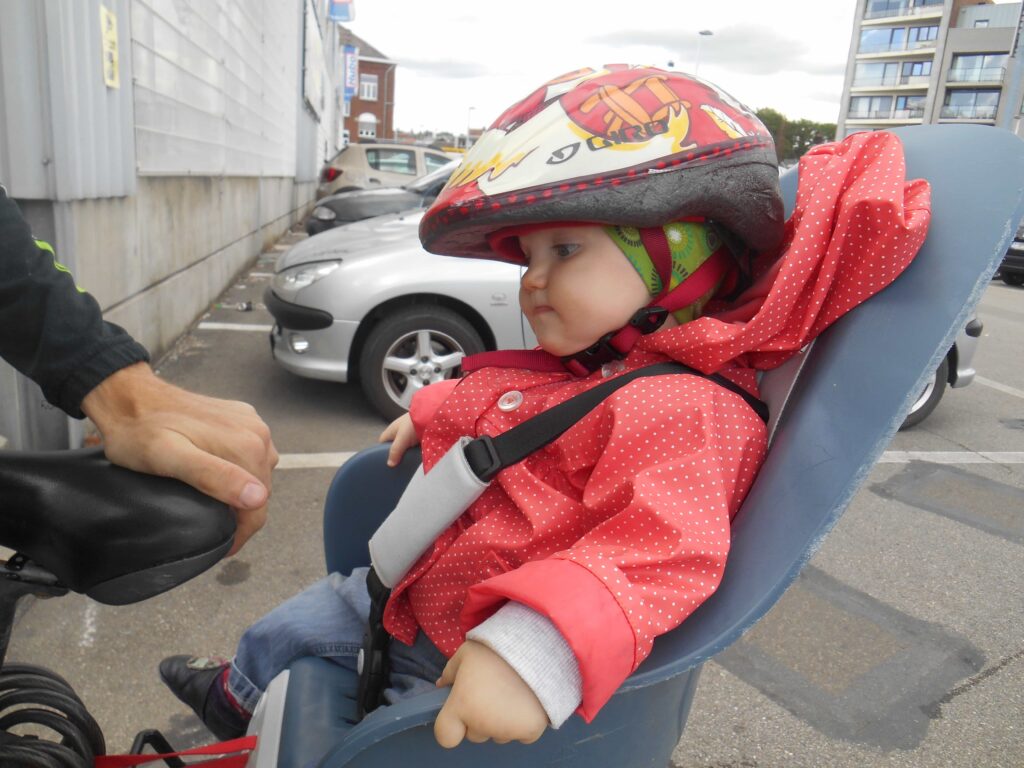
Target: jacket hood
{"type": "Point", "coordinates": [856, 226]}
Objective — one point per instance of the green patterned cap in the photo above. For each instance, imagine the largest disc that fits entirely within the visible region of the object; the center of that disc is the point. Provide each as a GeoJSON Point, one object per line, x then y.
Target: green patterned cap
{"type": "Point", "coordinates": [691, 244]}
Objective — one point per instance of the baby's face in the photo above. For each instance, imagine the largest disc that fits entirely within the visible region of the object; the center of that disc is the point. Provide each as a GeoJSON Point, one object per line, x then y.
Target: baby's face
{"type": "Point", "coordinates": [578, 286]}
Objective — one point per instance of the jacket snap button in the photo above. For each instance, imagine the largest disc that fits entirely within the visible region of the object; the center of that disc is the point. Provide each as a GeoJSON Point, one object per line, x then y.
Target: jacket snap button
{"type": "Point", "coordinates": [510, 400]}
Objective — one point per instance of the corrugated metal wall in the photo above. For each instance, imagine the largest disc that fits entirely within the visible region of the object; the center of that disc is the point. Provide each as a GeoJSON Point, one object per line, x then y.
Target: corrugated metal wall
{"type": "Point", "coordinates": [66, 135]}
{"type": "Point", "coordinates": [214, 87]}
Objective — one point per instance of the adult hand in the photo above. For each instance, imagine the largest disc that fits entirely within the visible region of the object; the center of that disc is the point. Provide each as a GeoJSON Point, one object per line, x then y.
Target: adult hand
{"type": "Point", "coordinates": [489, 700]}
{"type": "Point", "coordinates": [402, 435]}
{"type": "Point", "coordinates": [220, 447]}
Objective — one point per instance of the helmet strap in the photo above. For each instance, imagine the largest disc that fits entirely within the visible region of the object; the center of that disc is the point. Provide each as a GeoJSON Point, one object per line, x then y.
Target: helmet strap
{"type": "Point", "coordinates": [617, 344]}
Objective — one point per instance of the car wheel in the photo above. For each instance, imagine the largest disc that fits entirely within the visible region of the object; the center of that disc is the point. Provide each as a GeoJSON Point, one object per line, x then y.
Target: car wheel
{"type": "Point", "coordinates": [407, 351]}
{"type": "Point", "coordinates": [930, 397]}
{"type": "Point", "coordinates": [1016, 280]}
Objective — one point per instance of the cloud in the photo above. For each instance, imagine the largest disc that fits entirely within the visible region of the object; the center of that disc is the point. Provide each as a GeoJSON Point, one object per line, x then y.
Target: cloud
{"type": "Point", "coordinates": [743, 48]}
{"type": "Point", "coordinates": [457, 70]}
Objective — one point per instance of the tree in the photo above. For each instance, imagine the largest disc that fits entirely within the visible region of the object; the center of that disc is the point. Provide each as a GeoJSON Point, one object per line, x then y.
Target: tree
{"type": "Point", "coordinates": [794, 138]}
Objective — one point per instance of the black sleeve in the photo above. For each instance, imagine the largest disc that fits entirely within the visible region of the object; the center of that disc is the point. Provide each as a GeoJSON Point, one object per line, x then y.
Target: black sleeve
{"type": "Point", "coordinates": [50, 330]}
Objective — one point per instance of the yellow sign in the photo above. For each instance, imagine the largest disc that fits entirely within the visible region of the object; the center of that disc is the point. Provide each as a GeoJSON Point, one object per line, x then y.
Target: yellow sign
{"type": "Point", "coordinates": [111, 63]}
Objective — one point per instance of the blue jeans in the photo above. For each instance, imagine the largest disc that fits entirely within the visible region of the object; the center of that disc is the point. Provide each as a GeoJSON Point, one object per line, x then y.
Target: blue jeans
{"type": "Point", "coordinates": [326, 620]}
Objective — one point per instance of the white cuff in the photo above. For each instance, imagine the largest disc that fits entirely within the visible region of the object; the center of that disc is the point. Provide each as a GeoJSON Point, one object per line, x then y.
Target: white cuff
{"type": "Point", "coordinates": [536, 650]}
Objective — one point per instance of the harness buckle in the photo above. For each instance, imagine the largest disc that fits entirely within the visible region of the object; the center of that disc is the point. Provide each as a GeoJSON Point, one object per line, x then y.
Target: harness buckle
{"type": "Point", "coordinates": [482, 457]}
{"type": "Point", "coordinates": [649, 319]}
{"type": "Point", "coordinates": [372, 663]}
{"type": "Point", "coordinates": [597, 354]}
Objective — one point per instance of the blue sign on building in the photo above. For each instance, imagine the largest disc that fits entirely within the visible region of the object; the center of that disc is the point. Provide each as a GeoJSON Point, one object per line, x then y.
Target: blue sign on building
{"type": "Point", "coordinates": [342, 10]}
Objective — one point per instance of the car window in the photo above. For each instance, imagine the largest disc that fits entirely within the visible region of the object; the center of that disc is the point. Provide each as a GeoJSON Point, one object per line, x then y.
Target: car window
{"type": "Point", "coordinates": [436, 161]}
{"type": "Point", "coordinates": [392, 160]}
{"type": "Point", "coordinates": [431, 183]}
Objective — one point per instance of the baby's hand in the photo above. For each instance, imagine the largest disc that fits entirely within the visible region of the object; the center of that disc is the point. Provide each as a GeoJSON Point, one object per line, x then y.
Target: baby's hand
{"type": "Point", "coordinates": [402, 435]}
{"type": "Point", "coordinates": [488, 701]}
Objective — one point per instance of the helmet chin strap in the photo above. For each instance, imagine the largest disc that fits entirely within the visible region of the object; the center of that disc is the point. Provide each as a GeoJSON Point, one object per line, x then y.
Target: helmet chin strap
{"type": "Point", "coordinates": [617, 344]}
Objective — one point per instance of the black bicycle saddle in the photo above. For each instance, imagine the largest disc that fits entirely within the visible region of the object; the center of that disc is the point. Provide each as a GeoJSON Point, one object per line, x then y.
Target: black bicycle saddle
{"type": "Point", "coordinates": [115, 535]}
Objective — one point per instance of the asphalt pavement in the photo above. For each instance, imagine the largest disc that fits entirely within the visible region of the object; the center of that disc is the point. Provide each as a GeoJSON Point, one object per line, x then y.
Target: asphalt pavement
{"type": "Point", "coordinates": [902, 644]}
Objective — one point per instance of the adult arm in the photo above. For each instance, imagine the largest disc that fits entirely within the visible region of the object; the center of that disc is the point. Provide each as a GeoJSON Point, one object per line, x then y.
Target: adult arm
{"type": "Point", "coordinates": [50, 330]}
{"type": "Point", "coordinates": [54, 333]}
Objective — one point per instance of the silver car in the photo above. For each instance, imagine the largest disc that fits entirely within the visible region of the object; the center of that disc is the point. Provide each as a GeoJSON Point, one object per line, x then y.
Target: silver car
{"type": "Point", "coordinates": [364, 301]}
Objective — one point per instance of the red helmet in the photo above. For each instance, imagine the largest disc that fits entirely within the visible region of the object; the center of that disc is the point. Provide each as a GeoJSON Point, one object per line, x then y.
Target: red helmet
{"type": "Point", "coordinates": [622, 145]}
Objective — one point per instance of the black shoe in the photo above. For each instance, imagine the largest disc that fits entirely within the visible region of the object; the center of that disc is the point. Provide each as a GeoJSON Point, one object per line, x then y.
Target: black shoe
{"type": "Point", "coordinates": [195, 680]}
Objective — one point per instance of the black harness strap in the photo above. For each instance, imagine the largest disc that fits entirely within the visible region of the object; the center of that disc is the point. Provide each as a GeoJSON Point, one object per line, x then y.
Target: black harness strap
{"type": "Point", "coordinates": [487, 456]}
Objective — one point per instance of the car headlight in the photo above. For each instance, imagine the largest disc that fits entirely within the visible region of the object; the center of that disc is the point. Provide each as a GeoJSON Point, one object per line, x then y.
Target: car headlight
{"type": "Point", "coordinates": [297, 278]}
{"type": "Point", "coordinates": [324, 214]}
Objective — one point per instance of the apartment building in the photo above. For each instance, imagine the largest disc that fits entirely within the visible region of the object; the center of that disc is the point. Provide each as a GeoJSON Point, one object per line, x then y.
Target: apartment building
{"type": "Point", "coordinates": [933, 61]}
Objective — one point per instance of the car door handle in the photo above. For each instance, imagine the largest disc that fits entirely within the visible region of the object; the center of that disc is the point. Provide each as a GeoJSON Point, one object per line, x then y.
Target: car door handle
{"type": "Point", "coordinates": [374, 181]}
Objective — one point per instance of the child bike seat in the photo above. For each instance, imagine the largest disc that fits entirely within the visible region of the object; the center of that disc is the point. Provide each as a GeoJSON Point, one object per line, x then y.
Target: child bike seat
{"type": "Point", "coordinates": [115, 535]}
{"type": "Point", "coordinates": [853, 391]}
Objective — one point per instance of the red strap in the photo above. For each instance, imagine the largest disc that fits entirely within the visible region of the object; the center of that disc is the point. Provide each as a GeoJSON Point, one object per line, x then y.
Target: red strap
{"type": "Point", "coordinates": [528, 359]}
{"type": "Point", "coordinates": [234, 754]}
{"type": "Point", "coordinates": [657, 247]}
{"type": "Point", "coordinates": [687, 292]}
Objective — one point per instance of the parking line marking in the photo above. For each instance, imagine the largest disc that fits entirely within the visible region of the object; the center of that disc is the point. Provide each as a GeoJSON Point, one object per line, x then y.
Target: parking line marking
{"type": "Point", "coordinates": [1001, 387]}
{"type": "Point", "coordinates": [234, 327]}
{"type": "Point", "coordinates": [313, 460]}
{"type": "Point", "coordinates": [953, 457]}
{"type": "Point", "coordinates": [335, 460]}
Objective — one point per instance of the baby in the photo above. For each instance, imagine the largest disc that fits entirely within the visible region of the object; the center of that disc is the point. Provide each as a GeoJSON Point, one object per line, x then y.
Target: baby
{"type": "Point", "coordinates": [644, 206]}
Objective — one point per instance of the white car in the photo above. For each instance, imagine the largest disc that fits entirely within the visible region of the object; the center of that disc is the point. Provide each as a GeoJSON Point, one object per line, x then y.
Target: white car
{"type": "Point", "coordinates": [365, 302]}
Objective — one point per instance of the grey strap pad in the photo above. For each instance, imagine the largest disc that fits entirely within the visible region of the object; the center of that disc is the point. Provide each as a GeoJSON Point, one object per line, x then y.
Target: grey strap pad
{"type": "Point", "coordinates": [431, 503]}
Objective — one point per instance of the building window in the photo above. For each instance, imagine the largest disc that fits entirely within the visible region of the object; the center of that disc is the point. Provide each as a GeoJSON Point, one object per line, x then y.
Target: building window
{"type": "Point", "coordinates": [879, 40]}
{"type": "Point", "coordinates": [978, 23]}
{"type": "Point", "coordinates": [909, 107]}
{"type": "Point", "coordinates": [915, 72]}
{"type": "Point", "coordinates": [978, 68]}
{"type": "Point", "coordinates": [875, 73]}
{"type": "Point", "coordinates": [368, 87]}
{"type": "Point", "coordinates": [346, 111]}
{"type": "Point", "coordinates": [367, 125]}
{"type": "Point", "coordinates": [870, 107]}
{"type": "Point", "coordinates": [392, 160]}
{"type": "Point", "coordinates": [923, 37]}
{"type": "Point", "coordinates": [970, 105]}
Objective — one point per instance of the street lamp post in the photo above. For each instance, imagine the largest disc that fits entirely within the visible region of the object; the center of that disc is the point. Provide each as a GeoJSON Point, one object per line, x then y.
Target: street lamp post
{"type": "Point", "coordinates": [700, 39]}
{"type": "Point", "coordinates": [469, 124]}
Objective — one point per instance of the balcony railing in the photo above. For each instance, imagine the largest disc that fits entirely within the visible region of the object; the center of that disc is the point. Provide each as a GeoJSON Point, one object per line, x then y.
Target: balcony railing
{"type": "Point", "coordinates": [901, 9]}
{"type": "Point", "coordinates": [967, 112]}
{"type": "Point", "coordinates": [874, 82]}
{"type": "Point", "coordinates": [870, 114]}
{"type": "Point", "coordinates": [908, 114]}
{"type": "Point", "coordinates": [921, 80]}
{"type": "Point", "coordinates": [977, 75]}
{"type": "Point", "coordinates": [896, 47]}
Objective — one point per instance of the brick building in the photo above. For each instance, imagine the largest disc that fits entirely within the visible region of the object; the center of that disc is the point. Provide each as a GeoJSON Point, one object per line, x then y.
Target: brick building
{"type": "Point", "coordinates": [371, 112]}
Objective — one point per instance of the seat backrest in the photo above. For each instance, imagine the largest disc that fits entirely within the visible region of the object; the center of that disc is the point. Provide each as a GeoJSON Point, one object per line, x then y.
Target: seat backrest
{"type": "Point", "coordinates": [858, 382]}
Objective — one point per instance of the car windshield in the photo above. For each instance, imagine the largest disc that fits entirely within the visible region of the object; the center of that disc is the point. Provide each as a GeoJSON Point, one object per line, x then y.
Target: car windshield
{"type": "Point", "coordinates": [427, 180]}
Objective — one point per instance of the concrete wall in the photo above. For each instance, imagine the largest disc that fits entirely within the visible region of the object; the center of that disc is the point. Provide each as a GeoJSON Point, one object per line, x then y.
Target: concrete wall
{"type": "Point", "coordinates": [155, 260]}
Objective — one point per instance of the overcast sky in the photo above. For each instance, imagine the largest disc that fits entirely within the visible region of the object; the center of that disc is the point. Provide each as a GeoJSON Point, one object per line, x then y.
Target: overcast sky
{"type": "Point", "coordinates": [786, 54]}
